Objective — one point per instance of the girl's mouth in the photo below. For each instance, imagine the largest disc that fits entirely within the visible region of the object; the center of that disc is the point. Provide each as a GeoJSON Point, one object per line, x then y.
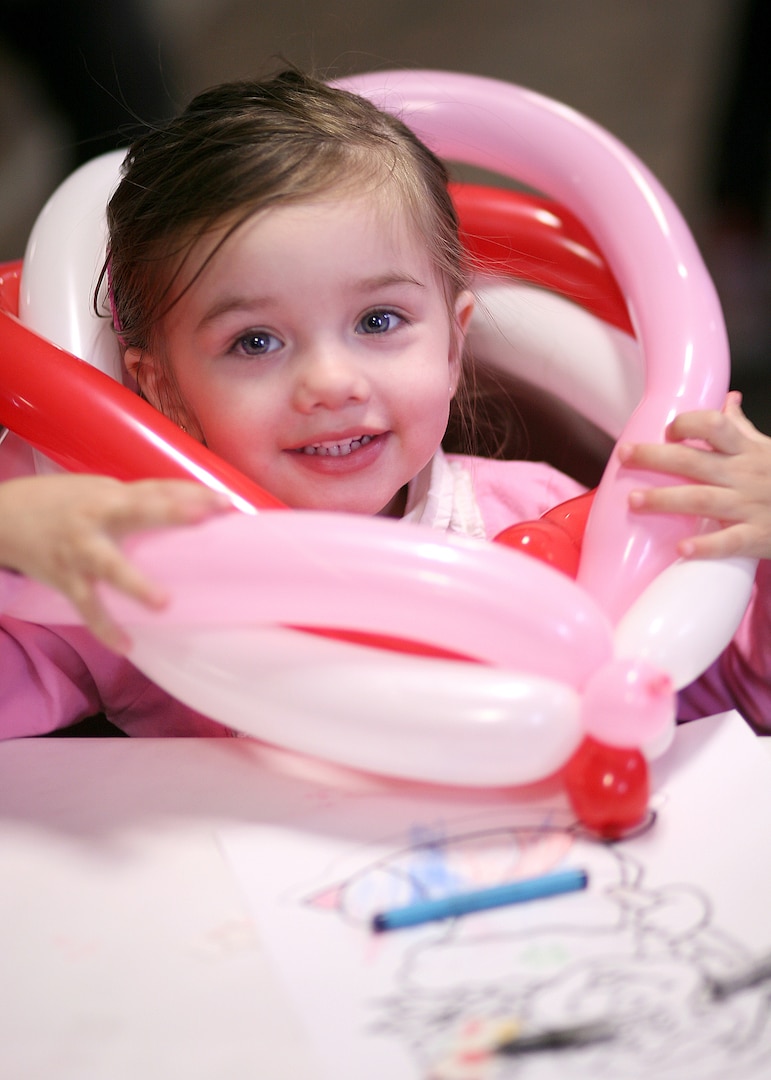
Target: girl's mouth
{"type": "Point", "coordinates": [338, 448]}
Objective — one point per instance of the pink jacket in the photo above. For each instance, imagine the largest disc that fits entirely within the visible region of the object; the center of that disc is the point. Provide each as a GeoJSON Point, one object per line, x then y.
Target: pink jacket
{"type": "Point", "coordinates": [52, 676]}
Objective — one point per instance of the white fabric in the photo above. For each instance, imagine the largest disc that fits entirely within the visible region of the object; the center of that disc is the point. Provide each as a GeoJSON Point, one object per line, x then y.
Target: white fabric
{"type": "Point", "coordinates": [442, 496]}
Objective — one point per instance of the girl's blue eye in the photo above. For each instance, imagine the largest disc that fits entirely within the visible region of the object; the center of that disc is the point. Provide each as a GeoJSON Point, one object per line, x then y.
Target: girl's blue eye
{"type": "Point", "coordinates": [378, 322]}
{"type": "Point", "coordinates": [257, 343]}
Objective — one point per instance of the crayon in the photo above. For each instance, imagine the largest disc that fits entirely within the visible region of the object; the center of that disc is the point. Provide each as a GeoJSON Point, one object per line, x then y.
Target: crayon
{"type": "Point", "coordinates": [485, 1038]}
{"type": "Point", "coordinates": [753, 975]}
{"type": "Point", "coordinates": [570, 1037]}
{"type": "Point", "coordinates": [513, 892]}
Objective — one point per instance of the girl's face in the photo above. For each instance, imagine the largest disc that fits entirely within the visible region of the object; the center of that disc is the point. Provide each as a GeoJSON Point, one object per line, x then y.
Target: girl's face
{"type": "Point", "coordinates": [316, 353]}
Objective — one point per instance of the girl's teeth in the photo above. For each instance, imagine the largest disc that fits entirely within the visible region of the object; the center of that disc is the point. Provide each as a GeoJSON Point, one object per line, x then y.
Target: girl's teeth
{"type": "Point", "coordinates": [337, 449]}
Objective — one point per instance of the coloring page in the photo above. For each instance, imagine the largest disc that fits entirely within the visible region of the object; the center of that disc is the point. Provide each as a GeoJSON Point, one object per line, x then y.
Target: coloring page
{"type": "Point", "coordinates": [635, 956]}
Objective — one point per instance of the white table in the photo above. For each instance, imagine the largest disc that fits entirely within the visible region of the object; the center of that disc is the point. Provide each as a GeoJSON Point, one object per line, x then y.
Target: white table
{"type": "Point", "coordinates": [127, 951]}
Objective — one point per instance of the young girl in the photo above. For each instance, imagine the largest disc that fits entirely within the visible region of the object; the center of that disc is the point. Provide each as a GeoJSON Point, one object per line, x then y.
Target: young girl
{"type": "Point", "coordinates": [288, 286]}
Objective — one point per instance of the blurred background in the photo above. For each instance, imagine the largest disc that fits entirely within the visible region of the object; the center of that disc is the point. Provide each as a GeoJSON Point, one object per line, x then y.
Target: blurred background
{"type": "Point", "coordinates": [684, 83]}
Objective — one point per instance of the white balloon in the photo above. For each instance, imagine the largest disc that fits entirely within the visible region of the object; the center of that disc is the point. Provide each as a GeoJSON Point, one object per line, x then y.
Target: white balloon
{"type": "Point", "coordinates": [558, 346]}
{"type": "Point", "coordinates": [430, 720]}
{"type": "Point", "coordinates": [687, 616]}
{"type": "Point", "coordinates": [62, 263]}
{"type": "Point", "coordinates": [64, 257]}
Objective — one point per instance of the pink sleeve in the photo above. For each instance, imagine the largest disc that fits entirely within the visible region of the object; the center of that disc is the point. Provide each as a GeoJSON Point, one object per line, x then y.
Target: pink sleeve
{"type": "Point", "coordinates": [10, 584]}
{"type": "Point", "coordinates": [508, 492]}
{"type": "Point", "coordinates": [52, 677]}
{"type": "Point", "coordinates": [44, 683]}
{"type": "Point", "coordinates": [740, 678]}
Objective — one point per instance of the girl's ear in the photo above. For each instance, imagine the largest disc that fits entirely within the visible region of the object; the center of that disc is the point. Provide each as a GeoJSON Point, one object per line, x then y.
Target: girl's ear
{"type": "Point", "coordinates": [464, 309]}
{"type": "Point", "coordinates": [156, 387]}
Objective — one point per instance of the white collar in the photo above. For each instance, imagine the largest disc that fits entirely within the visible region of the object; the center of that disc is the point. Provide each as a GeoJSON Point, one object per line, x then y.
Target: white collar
{"type": "Point", "coordinates": [442, 496]}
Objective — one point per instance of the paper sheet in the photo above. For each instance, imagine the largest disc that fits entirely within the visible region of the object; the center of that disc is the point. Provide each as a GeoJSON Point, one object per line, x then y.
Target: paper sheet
{"type": "Point", "coordinates": [687, 899]}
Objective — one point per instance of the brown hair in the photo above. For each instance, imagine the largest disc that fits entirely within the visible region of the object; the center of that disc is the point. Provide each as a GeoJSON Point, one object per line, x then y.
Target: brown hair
{"type": "Point", "coordinates": [240, 148]}
{"type": "Point", "coordinates": [245, 146]}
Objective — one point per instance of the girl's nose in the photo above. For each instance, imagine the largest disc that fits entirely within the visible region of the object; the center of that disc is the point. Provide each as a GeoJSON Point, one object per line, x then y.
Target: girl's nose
{"type": "Point", "coordinates": [328, 378]}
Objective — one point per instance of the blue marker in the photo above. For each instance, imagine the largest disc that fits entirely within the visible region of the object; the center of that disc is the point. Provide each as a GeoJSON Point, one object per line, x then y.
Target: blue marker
{"type": "Point", "coordinates": [513, 892]}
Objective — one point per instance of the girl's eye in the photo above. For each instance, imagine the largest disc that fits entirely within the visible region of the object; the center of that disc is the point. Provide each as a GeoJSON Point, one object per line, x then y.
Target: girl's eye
{"type": "Point", "coordinates": [256, 343]}
{"type": "Point", "coordinates": [378, 322]}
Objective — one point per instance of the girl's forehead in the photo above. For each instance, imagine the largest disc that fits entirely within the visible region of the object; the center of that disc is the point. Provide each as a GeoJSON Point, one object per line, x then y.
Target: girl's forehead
{"type": "Point", "coordinates": [384, 203]}
{"type": "Point", "coordinates": [369, 217]}
{"type": "Point", "coordinates": [375, 215]}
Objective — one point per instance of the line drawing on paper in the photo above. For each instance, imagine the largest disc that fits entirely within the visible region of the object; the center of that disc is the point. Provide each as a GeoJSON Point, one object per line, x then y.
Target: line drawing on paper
{"type": "Point", "coordinates": [629, 951]}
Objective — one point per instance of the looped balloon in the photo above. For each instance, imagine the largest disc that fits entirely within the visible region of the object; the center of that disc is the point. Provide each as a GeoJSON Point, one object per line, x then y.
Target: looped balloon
{"type": "Point", "coordinates": [494, 668]}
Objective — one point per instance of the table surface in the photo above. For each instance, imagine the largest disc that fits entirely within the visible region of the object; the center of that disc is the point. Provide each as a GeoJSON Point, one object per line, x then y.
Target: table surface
{"type": "Point", "coordinates": [127, 948]}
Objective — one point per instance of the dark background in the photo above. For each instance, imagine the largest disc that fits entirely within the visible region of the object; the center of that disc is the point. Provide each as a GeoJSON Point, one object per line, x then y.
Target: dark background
{"type": "Point", "coordinates": [683, 83]}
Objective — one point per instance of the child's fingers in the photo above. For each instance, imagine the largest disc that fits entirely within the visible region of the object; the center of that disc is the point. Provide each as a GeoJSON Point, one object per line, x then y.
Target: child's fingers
{"type": "Point", "coordinates": [127, 578]}
{"type": "Point", "coordinates": [697, 500]}
{"type": "Point", "coordinates": [105, 561]}
{"type": "Point", "coordinates": [743, 423]}
{"type": "Point", "coordinates": [745, 527]}
{"type": "Point", "coordinates": [672, 458]}
{"type": "Point", "coordinates": [737, 539]}
{"type": "Point", "coordinates": [152, 503]}
{"type": "Point", "coordinates": [95, 616]}
{"type": "Point", "coordinates": [110, 567]}
{"type": "Point", "coordinates": [725, 433]}
{"type": "Point", "coordinates": [720, 430]}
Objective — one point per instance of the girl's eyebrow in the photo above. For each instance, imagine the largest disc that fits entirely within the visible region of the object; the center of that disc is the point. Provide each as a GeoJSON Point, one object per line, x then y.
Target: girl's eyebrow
{"type": "Point", "coordinates": [383, 280]}
{"type": "Point", "coordinates": [230, 304]}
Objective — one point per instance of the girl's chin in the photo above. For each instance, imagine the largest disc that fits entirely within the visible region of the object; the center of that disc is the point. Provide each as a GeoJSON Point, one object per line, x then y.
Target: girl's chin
{"type": "Point", "coordinates": [365, 482]}
{"type": "Point", "coordinates": [396, 506]}
{"type": "Point", "coordinates": [366, 503]}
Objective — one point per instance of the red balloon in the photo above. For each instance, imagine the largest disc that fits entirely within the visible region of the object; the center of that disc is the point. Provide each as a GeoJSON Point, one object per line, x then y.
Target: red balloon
{"type": "Point", "coordinates": [572, 515]}
{"type": "Point", "coordinates": [389, 642]}
{"type": "Point", "coordinates": [10, 284]}
{"type": "Point", "coordinates": [535, 239]}
{"type": "Point", "coordinates": [87, 422]}
{"type": "Point", "coordinates": [543, 540]}
{"type": "Point", "coordinates": [608, 787]}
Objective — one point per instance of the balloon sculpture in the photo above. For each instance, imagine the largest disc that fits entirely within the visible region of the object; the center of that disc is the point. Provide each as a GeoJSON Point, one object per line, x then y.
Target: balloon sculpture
{"type": "Point", "coordinates": [402, 650]}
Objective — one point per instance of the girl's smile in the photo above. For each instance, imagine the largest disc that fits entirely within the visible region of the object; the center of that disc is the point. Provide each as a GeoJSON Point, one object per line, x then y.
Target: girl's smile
{"type": "Point", "coordinates": [337, 447]}
{"type": "Point", "coordinates": [316, 352]}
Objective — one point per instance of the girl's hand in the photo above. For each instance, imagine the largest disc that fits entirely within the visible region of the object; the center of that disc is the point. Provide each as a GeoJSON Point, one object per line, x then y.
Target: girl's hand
{"type": "Point", "coordinates": [730, 474]}
{"type": "Point", "coordinates": [64, 531]}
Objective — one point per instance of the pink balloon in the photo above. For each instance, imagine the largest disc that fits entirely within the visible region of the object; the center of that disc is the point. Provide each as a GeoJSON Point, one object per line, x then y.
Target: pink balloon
{"type": "Point", "coordinates": [629, 703]}
{"type": "Point", "coordinates": [302, 569]}
{"type": "Point", "coordinates": [671, 299]}
{"type": "Point", "coordinates": [527, 623]}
